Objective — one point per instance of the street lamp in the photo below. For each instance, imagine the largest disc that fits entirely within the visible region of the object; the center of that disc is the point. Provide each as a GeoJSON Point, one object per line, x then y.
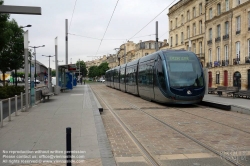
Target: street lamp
{"type": "Point", "coordinates": [35, 58]}
{"type": "Point", "coordinates": [26, 26]}
{"type": "Point", "coordinates": [49, 85]}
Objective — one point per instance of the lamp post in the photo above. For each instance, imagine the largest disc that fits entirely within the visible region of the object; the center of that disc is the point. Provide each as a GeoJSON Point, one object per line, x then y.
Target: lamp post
{"type": "Point", "coordinates": [49, 84]}
{"type": "Point", "coordinates": [26, 26]}
{"type": "Point", "coordinates": [35, 58]}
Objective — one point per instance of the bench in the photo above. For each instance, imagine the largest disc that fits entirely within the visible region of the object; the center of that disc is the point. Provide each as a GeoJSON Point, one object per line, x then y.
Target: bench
{"type": "Point", "coordinates": [211, 90]}
{"type": "Point", "coordinates": [242, 93]}
{"type": "Point", "coordinates": [45, 93]}
{"type": "Point", "coordinates": [221, 89]}
{"type": "Point", "coordinates": [63, 89]}
{"type": "Point", "coordinates": [231, 90]}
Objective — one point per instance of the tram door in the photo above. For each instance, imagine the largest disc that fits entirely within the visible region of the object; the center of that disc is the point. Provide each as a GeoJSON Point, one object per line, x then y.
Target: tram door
{"type": "Point", "coordinates": [248, 76]}
{"type": "Point", "coordinates": [237, 80]}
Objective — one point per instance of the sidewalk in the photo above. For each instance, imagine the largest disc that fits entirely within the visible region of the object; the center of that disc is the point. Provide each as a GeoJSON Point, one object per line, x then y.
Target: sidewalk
{"type": "Point", "coordinates": [237, 104]}
{"type": "Point", "coordinates": [42, 131]}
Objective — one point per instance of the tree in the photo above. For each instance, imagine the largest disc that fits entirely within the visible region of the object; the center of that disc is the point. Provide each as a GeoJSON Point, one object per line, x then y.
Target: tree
{"type": "Point", "coordinates": [53, 73]}
{"type": "Point", "coordinates": [103, 67]}
{"type": "Point", "coordinates": [83, 68]}
{"type": "Point", "coordinates": [11, 56]}
{"type": "Point", "coordinates": [93, 71]}
{"type": "Point", "coordinates": [3, 27]}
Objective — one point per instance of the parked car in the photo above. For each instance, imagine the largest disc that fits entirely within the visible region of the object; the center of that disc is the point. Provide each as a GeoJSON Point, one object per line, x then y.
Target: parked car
{"type": "Point", "coordinates": [101, 80]}
{"type": "Point", "coordinates": [36, 82]}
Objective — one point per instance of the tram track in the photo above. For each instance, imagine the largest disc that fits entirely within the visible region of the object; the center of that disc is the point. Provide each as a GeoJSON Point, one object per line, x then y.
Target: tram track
{"type": "Point", "coordinates": [143, 149]}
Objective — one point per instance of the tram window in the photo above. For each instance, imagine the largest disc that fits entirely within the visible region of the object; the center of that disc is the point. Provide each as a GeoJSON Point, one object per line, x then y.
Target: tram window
{"type": "Point", "coordinates": [160, 74]}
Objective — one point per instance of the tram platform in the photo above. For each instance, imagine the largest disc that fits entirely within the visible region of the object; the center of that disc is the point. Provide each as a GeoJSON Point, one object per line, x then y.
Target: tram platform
{"type": "Point", "coordinates": [41, 132]}
{"type": "Point", "coordinates": [240, 105]}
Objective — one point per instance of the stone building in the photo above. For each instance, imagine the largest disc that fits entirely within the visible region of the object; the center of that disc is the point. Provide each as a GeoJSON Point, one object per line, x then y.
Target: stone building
{"type": "Point", "coordinates": [228, 43]}
{"type": "Point", "coordinates": [187, 27]}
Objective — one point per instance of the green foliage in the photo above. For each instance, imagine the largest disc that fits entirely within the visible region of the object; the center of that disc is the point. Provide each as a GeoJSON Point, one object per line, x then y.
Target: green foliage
{"type": "Point", "coordinates": [53, 73]}
{"type": "Point", "coordinates": [10, 91]}
{"type": "Point", "coordinates": [3, 28]}
{"type": "Point", "coordinates": [83, 68]}
{"type": "Point", "coordinates": [20, 74]}
{"type": "Point", "coordinates": [97, 71]}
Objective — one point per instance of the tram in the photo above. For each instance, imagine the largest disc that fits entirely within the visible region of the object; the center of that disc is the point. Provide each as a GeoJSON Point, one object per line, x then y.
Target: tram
{"type": "Point", "coordinates": [166, 76]}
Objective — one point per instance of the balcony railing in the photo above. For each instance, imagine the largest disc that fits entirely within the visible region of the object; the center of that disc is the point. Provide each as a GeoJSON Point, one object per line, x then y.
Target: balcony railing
{"type": "Point", "coordinates": [225, 62]}
{"type": "Point", "coordinates": [217, 39]}
{"type": "Point", "coordinates": [209, 42]}
{"type": "Point", "coordinates": [225, 37]}
{"type": "Point", "coordinates": [200, 55]}
{"type": "Point", "coordinates": [236, 61]}
{"type": "Point", "coordinates": [247, 59]}
{"type": "Point", "coordinates": [209, 64]}
{"type": "Point", "coordinates": [237, 32]}
{"type": "Point", "coordinates": [217, 63]}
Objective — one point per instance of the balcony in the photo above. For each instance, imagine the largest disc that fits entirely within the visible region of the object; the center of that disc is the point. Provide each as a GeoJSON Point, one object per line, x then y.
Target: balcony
{"type": "Point", "coordinates": [225, 63]}
{"type": "Point", "coordinates": [201, 55]}
{"type": "Point", "coordinates": [247, 59]}
{"type": "Point", "coordinates": [209, 42]}
{"type": "Point", "coordinates": [237, 32]}
{"type": "Point", "coordinates": [236, 61]}
{"type": "Point", "coordinates": [209, 64]}
{"type": "Point", "coordinates": [217, 63]}
{"type": "Point", "coordinates": [217, 39]}
{"type": "Point", "coordinates": [226, 37]}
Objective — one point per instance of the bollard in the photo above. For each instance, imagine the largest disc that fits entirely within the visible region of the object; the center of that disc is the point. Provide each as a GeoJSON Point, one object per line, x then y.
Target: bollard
{"type": "Point", "coordinates": [9, 109]}
{"type": "Point", "coordinates": [21, 101]}
{"type": "Point", "coordinates": [1, 110]}
{"type": "Point", "coordinates": [16, 105]}
{"type": "Point", "coordinates": [68, 146]}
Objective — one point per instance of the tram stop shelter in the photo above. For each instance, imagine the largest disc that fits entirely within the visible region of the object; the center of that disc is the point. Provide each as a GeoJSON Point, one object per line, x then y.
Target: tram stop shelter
{"type": "Point", "coordinates": [67, 78]}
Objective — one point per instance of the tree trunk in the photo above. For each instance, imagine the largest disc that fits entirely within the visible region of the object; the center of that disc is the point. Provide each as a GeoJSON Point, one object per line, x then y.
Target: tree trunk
{"type": "Point", "coordinates": [16, 76]}
{"type": "Point", "coordinates": [3, 78]}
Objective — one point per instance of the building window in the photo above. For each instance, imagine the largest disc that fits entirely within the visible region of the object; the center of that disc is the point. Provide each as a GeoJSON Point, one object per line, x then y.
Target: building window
{"type": "Point", "coordinates": [248, 48]}
{"type": "Point", "coordinates": [194, 29]}
{"type": "Point", "coordinates": [182, 19]}
{"type": "Point", "coordinates": [227, 5]}
{"type": "Point", "coordinates": [210, 34]}
{"type": "Point", "coordinates": [194, 12]}
{"type": "Point", "coordinates": [217, 77]}
{"type": "Point", "coordinates": [226, 28]}
{"type": "Point", "coordinates": [200, 8]}
{"type": "Point", "coordinates": [226, 52]}
{"type": "Point", "coordinates": [218, 9]}
{"type": "Point", "coordinates": [146, 54]}
{"type": "Point", "coordinates": [171, 41]}
{"type": "Point", "coordinates": [238, 2]}
{"type": "Point", "coordinates": [176, 39]}
{"type": "Point", "coordinates": [218, 53]}
{"type": "Point", "coordinates": [176, 20]}
{"type": "Point", "coordinates": [210, 55]}
{"type": "Point", "coordinates": [188, 32]}
{"type": "Point", "coordinates": [238, 23]}
{"type": "Point", "coordinates": [238, 51]}
{"type": "Point", "coordinates": [248, 20]}
{"type": "Point", "coordinates": [149, 45]}
{"type": "Point", "coordinates": [210, 13]}
{"type": "Point", "coordinates": [218, 30]}
{"type": "Point", "coordinates": [188, 15]}
{"type": "Point", "coordinates": [200, 25]}
{"type": "Point", "coordinates": [194, 48]}
{"type": "Point", "coordinates": [171, 25]}
{"type": "Point", "coordinates": [200, 46]}
{"type": "Point", "coordinates": [182, 37]}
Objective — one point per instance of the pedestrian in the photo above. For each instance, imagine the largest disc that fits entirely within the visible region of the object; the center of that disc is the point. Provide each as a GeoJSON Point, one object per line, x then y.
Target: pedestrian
{"type": "Point", "coordinates": [81, 80]}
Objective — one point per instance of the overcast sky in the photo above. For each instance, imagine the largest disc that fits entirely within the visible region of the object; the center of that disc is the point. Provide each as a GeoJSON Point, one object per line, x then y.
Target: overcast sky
{"type": "Point", "coordinates": [90, 19]}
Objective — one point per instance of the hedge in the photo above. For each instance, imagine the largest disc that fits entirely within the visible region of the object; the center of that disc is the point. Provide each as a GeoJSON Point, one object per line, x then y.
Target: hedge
{"type": "Point", "coordinates": [10, 91]}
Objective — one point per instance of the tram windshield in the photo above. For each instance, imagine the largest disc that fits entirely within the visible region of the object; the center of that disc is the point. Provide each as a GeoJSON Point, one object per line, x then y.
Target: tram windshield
{"type": "Point", "coordinates": [184, 70]}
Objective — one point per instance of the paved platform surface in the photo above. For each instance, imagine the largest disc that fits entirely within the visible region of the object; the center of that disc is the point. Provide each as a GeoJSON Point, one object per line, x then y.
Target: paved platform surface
{"type": "Point", "coordinates": [38, 136]}
{"type": "Point", "coordinates": [237, 104]}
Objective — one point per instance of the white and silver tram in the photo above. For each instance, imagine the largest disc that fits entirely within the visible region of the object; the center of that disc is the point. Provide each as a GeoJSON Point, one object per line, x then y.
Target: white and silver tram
{"type": "Point", "coordinates": [166, 76]}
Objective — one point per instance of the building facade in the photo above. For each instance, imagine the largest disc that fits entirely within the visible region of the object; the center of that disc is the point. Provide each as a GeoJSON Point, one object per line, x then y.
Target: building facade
{"type": "Point", "coordinates": [187, 27]}
{"type": "Point", "coordinates": [228, 43]}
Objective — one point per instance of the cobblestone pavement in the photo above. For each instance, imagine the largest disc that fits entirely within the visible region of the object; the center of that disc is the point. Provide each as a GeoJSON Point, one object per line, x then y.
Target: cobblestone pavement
{"type": "Point", "coordinates": [161, 141]}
